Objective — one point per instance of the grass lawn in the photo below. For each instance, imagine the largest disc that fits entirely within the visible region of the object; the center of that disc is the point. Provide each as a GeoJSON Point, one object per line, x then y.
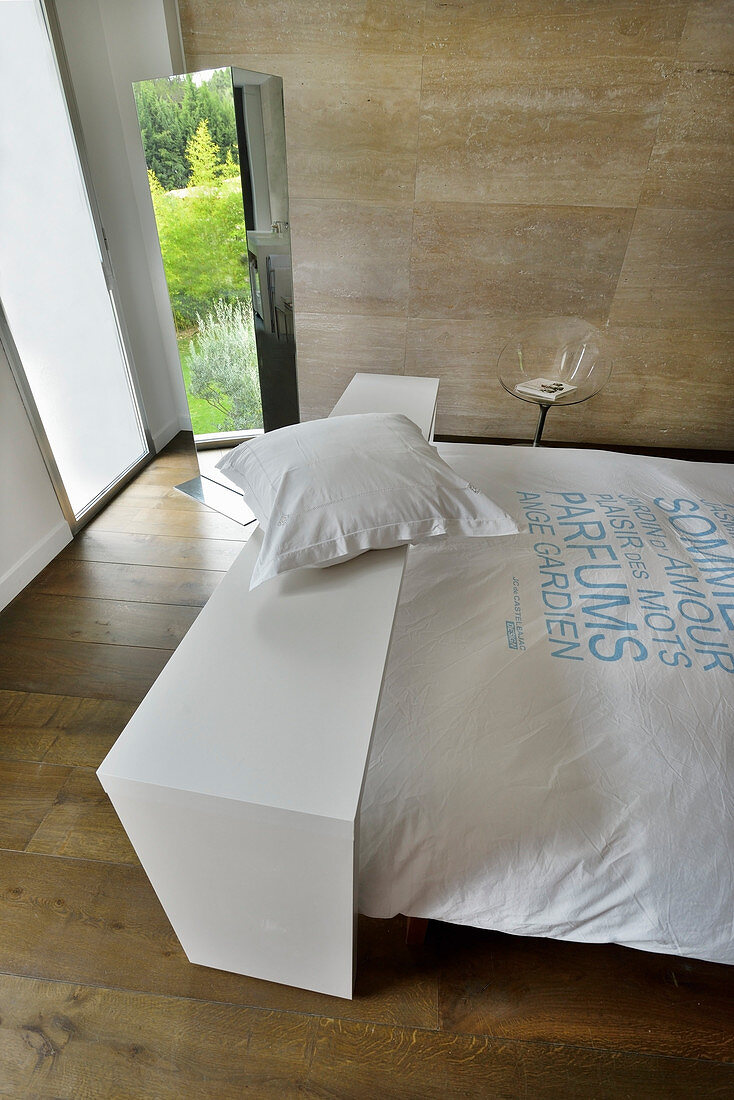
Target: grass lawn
{"type": "Point", "coordinates": [204, 418]}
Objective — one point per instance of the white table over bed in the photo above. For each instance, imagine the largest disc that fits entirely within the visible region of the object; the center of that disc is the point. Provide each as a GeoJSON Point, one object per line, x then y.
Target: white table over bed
{"type": "Point", "coordinates": [239, 777]}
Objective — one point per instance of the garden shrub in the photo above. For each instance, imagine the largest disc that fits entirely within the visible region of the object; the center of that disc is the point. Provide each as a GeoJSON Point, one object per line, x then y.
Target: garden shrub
{"type": "Point", "coordinates": [223, 365]}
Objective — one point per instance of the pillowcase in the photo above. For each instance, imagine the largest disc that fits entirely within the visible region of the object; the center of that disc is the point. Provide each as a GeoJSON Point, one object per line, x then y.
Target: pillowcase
{"type": "Point", "coordinates": [327, 490]}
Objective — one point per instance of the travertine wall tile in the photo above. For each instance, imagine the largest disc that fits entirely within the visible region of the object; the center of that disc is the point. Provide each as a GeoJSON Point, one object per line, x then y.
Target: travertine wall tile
{"type": "Point", "coordinates": [332, 110]}
{"type": "Point", "coordinates": [353, 129]}
{"type": "Point", "coordinates": [463, 354]}
{"type": "Point", "coordinates": [572, 29]}
{"type": "Point", "coordinates": [472, 260]}
{"type": "Point", "coordinates": [708, 35]}
{"type": "Point", "coordinates": [683, 376]}
{"type": "Point", "coordinates": [692, 163]}
{"type": "Point", "coordinates": [457, 167]}
{"type": "Point", "coordinates": [678, 271]}
{"type": "Point", "coordinates": [215, 27]}
{"type": "Point", "coordinates": [350, 257]}
{"type": "Point", "coordinates": [365, 176]}
{"type": "Point", "coordinates": [537, 131]}
{"type": "Point", "coordinates": [332, 348]}
{"type": "Point", "coordinates": [672, 388]}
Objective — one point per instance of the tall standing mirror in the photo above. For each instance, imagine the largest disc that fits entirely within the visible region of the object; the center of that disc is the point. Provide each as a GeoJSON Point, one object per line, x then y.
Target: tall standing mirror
{"type": "Point", "coordinates": [214, 144]}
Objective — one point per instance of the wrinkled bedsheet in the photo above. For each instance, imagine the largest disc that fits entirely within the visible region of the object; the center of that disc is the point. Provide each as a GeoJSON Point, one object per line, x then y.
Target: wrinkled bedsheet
{"type": "Point", "coordinates": [553, 753]}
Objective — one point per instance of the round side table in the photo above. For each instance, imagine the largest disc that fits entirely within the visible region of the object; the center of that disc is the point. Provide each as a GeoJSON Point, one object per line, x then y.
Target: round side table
{"type": "Point", "coordinates": [560, 351]}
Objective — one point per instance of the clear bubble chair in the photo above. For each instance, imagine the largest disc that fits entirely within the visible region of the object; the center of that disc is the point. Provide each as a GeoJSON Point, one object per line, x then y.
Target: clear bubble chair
{"type": "Point", "coordinates": [557, 361]}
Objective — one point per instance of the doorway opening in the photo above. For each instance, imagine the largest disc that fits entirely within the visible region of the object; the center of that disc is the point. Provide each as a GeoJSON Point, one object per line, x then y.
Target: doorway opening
{"type": "Point", "coordinates": [214, 144]}
{"type": "Point", "coordinates": [189, 134]}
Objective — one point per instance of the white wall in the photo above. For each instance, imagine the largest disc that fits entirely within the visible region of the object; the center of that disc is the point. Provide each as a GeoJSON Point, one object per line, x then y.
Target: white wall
{"type": "Point", "coordinates": [108, 46]}
{"type": "Point", "coordinates": [32, 526]}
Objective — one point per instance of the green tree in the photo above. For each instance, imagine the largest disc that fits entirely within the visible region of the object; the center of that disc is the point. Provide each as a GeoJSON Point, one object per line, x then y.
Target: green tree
{"type": "Point", "coordinates": [202, 235]}
{"type": "Point", "coordinates": [163, 138]}
{"type": "Point", "coordinates": [216, 106]}
{"type": "Point", "coordinates": [203, 243]}
{"type": "Point", "coordinates": [156, 190]}
{"type": "Point", "coordinates": [170, 111]}
{"type": "Point", "coordinates": [202, 155]}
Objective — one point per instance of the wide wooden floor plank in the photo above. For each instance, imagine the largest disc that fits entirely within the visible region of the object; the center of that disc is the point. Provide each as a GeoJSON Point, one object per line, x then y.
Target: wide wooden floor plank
{"type": "Point", "coordinates": [27, 792]}
{"type": "Point", "coordinates": [80, 619]}
{"type": "Point", "coordinates": [94, 671]}
{"type": "Point", "coordinates": [82, 823]}
{"type": "Point", "coordinates": [101, 923]}
{"type": "Point", "coordinates": [26, 743]}
{"type": "Point", "coordinates": [156, 550]}
{"type": "Point", "coordinates": [366, 1060]}
{"type": "Point", "coordinates": [159, 497]}
{"type": "Point", "coordinates": [167, 474]}
{"type": "Point", "coordinates": [157, 500]}
{"type": "Point", "coordinates": [201, 523]}
{"type": "Point", "coordinates": [111, 581]}
{"type": "Point", "coordinates": [597, 995]}
{"type": "Point", "coordinates": [63, 1041]}
{"type": "Point", "coordinates": [60, 729]}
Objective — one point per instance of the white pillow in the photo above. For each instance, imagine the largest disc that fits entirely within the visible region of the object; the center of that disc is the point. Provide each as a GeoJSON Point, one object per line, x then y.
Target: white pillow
{"type": "Point", "coordinates": [327, 490]}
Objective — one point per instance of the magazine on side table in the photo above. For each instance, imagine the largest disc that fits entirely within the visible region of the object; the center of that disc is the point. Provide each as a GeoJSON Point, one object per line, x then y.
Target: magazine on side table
{"type": "Point", "coordinates": [545, 388]}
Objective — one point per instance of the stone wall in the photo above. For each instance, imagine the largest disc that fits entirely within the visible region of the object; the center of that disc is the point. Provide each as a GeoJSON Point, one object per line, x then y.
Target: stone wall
{"type": "Point", "coordinates": [457, 167]}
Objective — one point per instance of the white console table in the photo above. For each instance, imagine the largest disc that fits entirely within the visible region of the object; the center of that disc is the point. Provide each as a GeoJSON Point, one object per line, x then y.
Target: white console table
{"type": "Point", "coordinates": [238, 779]}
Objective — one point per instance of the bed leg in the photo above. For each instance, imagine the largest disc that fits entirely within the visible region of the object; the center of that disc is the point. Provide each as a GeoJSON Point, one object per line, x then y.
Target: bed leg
{"type": "Point", "coordinates": [415, 931]}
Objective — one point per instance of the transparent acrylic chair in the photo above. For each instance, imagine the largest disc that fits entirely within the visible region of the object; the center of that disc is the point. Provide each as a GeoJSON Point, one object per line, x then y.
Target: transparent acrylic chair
{"type": "Point", "coordinates": [557, 350]}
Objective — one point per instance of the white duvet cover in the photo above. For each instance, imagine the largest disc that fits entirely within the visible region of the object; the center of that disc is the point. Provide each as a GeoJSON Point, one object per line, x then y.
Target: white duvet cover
{"type": "Point", "coordinates": [554, 750]}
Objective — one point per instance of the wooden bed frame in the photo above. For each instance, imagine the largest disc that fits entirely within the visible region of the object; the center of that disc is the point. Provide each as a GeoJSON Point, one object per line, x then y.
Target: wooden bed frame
{"type": "Point", "coordinates": [239, 778]}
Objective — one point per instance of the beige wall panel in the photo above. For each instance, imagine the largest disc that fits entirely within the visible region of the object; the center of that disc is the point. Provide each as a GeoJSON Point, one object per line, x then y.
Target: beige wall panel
{"type": "Point", "coordinates": [472, 260]}
{"type": "Point", "coordinates": [683, 377]}
{"type": "Point", "coordinates": [463, 354]}
{"type": "Point", "coordinates": [275, 64]}
{"type": "Point", "coordinates": [341, 105]}
{"type": "Point", "coordinates": [471, 401]}
{"type": "Point", "coordinates": [668, 389]}
{"type": "Point", "coordinates": [332, 348]}
{"type": "Point", "coordinates": [353, 129]}
{"type": "Point", "coordinates": [365, 176]}
{"type": "Point", "coordinates": [350, 257]}
{"type": "Point", "coordinates": [469, 165]}
{"type": "Point", "coordinates": [678, 271]}
{"type": "Point", "coordinates": [303, 27]}
{"type": "Point", "coordinates": [537, 131]}
{"type": "Point", "coordinates": [562, 28]}
{"type": "Point", "coordinates": [709, 33]}
{"type": "Point", "coordinates": [692, 162]}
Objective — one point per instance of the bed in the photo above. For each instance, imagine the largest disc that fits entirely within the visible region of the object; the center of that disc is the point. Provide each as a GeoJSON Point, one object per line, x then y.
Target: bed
{"type": "Point", "coordinates": [553, 752]}
{"type": "Point", "coordinates": [528, 732]}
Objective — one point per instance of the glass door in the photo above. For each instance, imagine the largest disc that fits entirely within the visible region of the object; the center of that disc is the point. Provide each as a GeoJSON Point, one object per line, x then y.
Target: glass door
{"type": "Point", "coordinates": [58, 318]}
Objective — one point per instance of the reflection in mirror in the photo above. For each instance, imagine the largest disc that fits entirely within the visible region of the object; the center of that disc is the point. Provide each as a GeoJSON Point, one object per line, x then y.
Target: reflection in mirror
{"type": "Point", "coordinates": [214, 144]}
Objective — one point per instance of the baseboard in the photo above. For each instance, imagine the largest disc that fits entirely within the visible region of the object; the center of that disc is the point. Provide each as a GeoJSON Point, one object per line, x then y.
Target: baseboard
{"type": "Point", "coordinates": [32, 562]}
{"type": "Point", "coordinates": [166, 433]}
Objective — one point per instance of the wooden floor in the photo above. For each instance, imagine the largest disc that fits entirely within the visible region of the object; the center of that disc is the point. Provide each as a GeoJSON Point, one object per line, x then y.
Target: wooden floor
{"type": "Point", "coordinates": [96, 997]}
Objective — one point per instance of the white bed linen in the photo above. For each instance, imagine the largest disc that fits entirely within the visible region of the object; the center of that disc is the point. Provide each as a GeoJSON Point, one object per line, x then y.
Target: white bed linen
{"type": "Point", "coordinates": [553, 750]}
